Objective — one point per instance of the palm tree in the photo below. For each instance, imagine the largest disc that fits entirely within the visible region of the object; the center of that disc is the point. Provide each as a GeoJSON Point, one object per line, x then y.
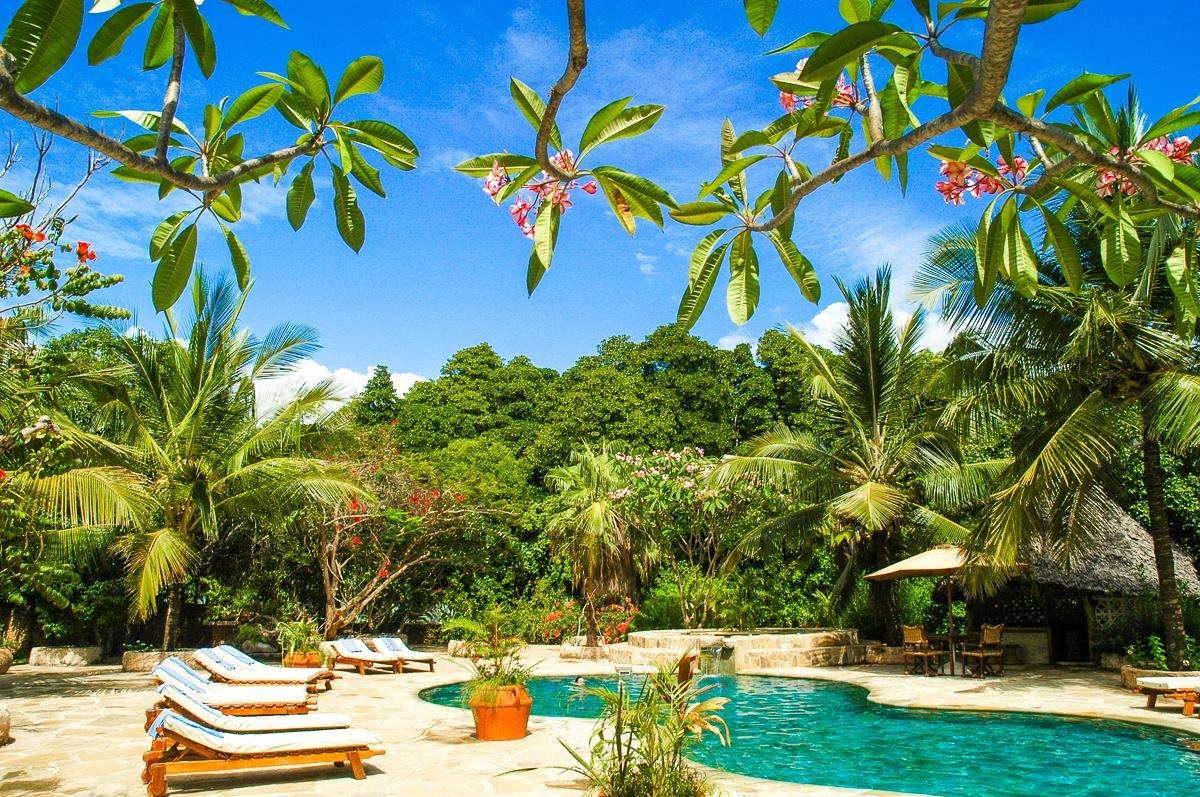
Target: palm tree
{"type": "Point", "coordinates": [61, 495]}
{"type": "Point", "coordinates": [210, 455]}
{"type": "Point", "coordinates": [1087, 375]}
{"type": "Point", "coordinates": [862, 474]}
{"type": "Point", "coordinates": [591, 530]}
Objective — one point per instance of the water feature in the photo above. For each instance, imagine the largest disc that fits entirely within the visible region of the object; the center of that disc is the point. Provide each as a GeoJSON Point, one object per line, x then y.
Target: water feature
{"type": "Point", "coordinates": [808, 731]}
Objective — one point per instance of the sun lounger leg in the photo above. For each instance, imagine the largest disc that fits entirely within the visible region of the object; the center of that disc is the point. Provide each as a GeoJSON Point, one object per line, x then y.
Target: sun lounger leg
{"type": "Point", "coordinates": [398, 665]}
{"type": "Point", "coordinates": [356, 767]}
{"type": "Point", "coordinates": [157, 785]}
{"type": "Point", "coordinates": [1189, 706]}
{"type": "Point", "coordinates": [1151, 699]}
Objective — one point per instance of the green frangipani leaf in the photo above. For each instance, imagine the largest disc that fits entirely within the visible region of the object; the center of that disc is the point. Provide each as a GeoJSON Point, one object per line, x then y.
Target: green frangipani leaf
{"type": "Point", "coordinates": [705, 266]}
{"type": "Point", "coordinates": [161, 40]}
{"type": "Point", "coordinates": [1042, 10]}
{"type": "Point", "coordinates": [198, 35]}
{"type": "Point", "coordinates": [1121, 249]}
{"type": "Point", "coordinates": [742, 296]}
{"type": "Point", "coordinates": [643, 196]}
{"type": "Point", "coordinates": [12, 205]}
{"type": "Point", "coordinates": [304, 72]}
{"type": "Point", "coordinates": [532, 107]}
{"type": "Point", "coordinates": [260, 9]}
{"type": "Point", "coordinates": [111, 37]}
{"type": "Point", "coordinates": [387, 139]}
{"type": "Point", "coordinates": [239, 257]}
{"type": "Point", "coordinates": [174, 269]}
{"type": "Point", "coordinates": [625, 123]}
{"type": "Point", "coordinates": [545, 235]}
{"type": "Point", "coordinates": [699, 213]}
{"type": "Point", "coordinates": [350, 223]}
{"type": "Point", "coordinates": [482, 166]}
{"type": "Point", "coordinates": [760, 14]}
{"type": "Point", "coordinates": [300, 196]}
{"type": "Point", "coordinates": [363, 76]}
{"type": "Point", "coordinates": [164, 233]}
{"type": "Point", "coordinates": [1077, 90]}
{"type": "Point", "coordinates": [1065, 250]}
{"type": "Point", "coordinates": [533, 275]}
{"type": "Point", "coordinates": [364, 172]}
{"type": "Point", "coordinates": [1022, 261]}
{"type": "Point", "coordinates": [731, 171]}
{"type": "Point", "coordinates": [798, 266]}
{"type": "Point", "coordinates": [805, 42]}
{"type": "Point", "coordinates": [40, 38]}
{"type": "Point", "coordinates": [253, 102]}
{"type": "Point", "coordinates": [843, 48]}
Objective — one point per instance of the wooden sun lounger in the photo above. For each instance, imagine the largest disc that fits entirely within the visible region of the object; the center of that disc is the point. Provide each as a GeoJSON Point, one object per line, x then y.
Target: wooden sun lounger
{"type": "Point", "coordinates": [384, 644]}
{"type": "Point", "coordinates": [361, 660]}
{"type": "Point", "coordinates": [1189, 697]}
{"type": "Point", "coordinates": [223, 670]}
{"type": "Point", "coordinates": [244, 700]}
{"type": "Point", "coordinates": [172, 753]}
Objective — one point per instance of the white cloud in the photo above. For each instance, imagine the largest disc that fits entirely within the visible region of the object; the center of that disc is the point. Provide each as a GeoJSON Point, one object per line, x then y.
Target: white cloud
{"type": "Point", "coordinates": [646, 263]}
{"type": "Point", "coordinates": [308, 372]}
{"type": "Point", "coordinates": [823, 328]}
{"type": "Point", "coordinates": [732, 341]}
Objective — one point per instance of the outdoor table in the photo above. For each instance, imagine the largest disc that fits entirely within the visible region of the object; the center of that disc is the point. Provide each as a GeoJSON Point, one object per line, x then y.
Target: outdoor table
{"type": "Point", "coordinates": [944, 641]}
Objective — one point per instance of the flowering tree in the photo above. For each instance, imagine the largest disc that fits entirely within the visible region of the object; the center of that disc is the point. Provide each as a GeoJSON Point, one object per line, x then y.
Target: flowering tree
{"type": "Point", "coordinates": [364, 550]}
{"type": "Point", "coordinates": [697, 529]}
{"type": "Point", "coordinates": [1034, 159]}
{"type": "Point", "coordinates": [209, 163]}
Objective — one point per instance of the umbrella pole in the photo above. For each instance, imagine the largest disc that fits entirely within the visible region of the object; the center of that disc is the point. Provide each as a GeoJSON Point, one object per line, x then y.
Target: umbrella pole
{"type": "Point", "coordinates": [950, 621]}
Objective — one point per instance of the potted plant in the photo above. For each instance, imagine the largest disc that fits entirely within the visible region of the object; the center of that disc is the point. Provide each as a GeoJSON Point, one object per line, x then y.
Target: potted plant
{"type": "Point", "coordinates": [300, 642]}
{"type": "Point", "coordinates": [496, 693]}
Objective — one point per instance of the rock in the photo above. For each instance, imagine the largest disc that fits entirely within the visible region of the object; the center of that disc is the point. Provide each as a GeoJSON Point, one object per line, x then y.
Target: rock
{"type": "Point", "coordinates": [260, 649]}
{"type": "Point", "coordinates": [583, 652]}
{"type": "Point", "coordinates": [5, 726]}
{"type": "Point", "coordinates": [459, 648]}
{"type": "Point", "coordinates": [64, 656]}
{"type": "Point", "coordinates": [6, 660]}
{"type": "Point", "coordinates": [147, 660]}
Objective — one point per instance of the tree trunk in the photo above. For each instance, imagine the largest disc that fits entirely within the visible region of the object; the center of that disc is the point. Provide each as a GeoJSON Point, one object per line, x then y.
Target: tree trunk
{"type": "Point", "coordinates": [171, 619]}
{"type": "Point", "coordinates": [1169, 606]}
{"type": "Point", "coordinates": [882, 594]}
{"type": "Point", "coordinates": [589, 618]}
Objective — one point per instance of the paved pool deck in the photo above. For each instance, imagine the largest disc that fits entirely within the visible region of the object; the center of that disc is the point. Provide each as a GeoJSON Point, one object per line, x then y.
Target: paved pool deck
{"type": "Point", "coordinates": [79, 731]}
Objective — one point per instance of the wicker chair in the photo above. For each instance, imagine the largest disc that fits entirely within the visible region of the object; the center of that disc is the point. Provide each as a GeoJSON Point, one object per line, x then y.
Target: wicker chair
{"type": "Point", "coordinates": [917, 648]}
{"type": "Point", "coordinates": [988, 648]}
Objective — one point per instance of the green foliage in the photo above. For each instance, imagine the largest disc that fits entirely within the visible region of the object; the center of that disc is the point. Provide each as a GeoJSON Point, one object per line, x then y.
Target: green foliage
{"type": "Point", "coordinates": [378, 401]}
{"type": "Point", "coordinates": [298, 636]}
{"type": "Point", "coordinates": [644, 733]}
{"type": "Point", "coordinates": [1148, 653]}
{"type": "Point", "coordinates": [494, 651]}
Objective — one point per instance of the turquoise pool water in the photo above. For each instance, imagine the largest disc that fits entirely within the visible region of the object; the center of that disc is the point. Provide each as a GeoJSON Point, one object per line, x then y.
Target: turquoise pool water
{"type": "Point", "coordinates": [825, 733]}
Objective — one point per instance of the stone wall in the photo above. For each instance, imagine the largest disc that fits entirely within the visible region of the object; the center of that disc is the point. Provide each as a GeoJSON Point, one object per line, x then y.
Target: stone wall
{"type": "Point", "coordinates": [64, 657]}
{"type": "Point", "coordinates": [751, 651]}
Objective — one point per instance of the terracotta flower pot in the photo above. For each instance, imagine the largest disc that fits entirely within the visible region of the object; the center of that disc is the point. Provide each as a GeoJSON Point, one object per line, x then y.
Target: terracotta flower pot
{"type": "Point", "coordinates": [502, 714]}
{"type": "Point", "coordinates": [307, 659]}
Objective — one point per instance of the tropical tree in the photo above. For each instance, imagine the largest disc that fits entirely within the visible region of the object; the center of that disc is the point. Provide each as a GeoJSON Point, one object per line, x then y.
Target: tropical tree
{"type": "Point", "coordinates": [1087, 368]}
{"type": "Point", "coordinates": [211, 455]}
{"type": "Point", "coordinates": [591, 531]}
{"type": "Point", "coordinates": [208, 160]}
{"type": "Point", "coordinates": [861, 475]}
{"type": "Point", "coordinates": [378, 401]}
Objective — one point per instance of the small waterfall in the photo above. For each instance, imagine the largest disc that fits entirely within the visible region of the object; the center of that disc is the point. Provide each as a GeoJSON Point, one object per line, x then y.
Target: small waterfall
{"type": "Point", "coordinates": [716, 659]}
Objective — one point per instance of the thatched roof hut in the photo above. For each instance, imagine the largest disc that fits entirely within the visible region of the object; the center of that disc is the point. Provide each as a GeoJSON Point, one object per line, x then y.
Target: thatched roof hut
{"type": "Point", "coordinates": [1119, 560]}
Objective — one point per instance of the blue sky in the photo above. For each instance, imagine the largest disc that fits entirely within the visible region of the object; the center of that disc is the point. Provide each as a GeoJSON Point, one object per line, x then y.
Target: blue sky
{"type": "Point", "coordinates": [443, 268]}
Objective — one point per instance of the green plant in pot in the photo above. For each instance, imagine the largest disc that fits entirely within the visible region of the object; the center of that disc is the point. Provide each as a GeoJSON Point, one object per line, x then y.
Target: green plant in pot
{"type": "Point", "coordinates": [300, 641]}
{"type": "Point", "coordinates": [499, 701]}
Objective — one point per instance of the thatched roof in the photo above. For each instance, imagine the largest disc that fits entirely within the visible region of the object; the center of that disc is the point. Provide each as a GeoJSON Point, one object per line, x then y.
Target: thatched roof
{"type": "Point", "coordinates": [1118, 560]}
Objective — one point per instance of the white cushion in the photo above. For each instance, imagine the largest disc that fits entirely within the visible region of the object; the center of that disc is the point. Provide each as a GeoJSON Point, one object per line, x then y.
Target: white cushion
{"type": "Point", "coordinates": [1170, 682]}
{"type": "Point", "coordinates": [251, 695]}
{"type": "Point", "coordinates": [365, 655]}
{"type": "Point", "coordinates": [394, 645]}
{"type": "Point", "coordinates": [207, 715]}
{"type": "Point", "coordinates": [262, 743]}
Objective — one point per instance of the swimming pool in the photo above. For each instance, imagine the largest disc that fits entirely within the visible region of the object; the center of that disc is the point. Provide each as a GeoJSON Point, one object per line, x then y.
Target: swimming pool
{"type": "Point", "coordinates": [808, 731]}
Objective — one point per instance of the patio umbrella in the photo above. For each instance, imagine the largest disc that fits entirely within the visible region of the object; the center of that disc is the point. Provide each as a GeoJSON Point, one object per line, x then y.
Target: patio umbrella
{"type": "Point", "coordinates": [944, 560]}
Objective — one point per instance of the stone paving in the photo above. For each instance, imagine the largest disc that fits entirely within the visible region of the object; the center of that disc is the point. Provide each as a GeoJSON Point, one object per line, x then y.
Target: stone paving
{"type": "Point", "coordinates": [79, 732]}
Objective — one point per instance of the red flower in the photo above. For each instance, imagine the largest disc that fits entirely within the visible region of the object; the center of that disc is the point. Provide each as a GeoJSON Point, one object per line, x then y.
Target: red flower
{"type": "Point", "coordinates": [3, 474]}
{"type": "Point", "coordinates": [787, 100]}
{"type": "Point", "coordinates": [436, 493]}
{"type": "Point", "coordinates": [588, 188]}
{"type": "Point", "coordinates": [84, 252]}
{"type": "Point", "coordinates": [459, 497]}
{"type": "Point", "coordinates": [622, 628]}
{"type": "Point", "coordinates": [356, 540]}
{"type": "Point", "coordinates": [355, 506]}
{"type": "Point", "coordinates": [31, 234]}
{"type": "Point", "coordinates": [951, 191]}
{"type": "Point", "coordinates": [383, 572]}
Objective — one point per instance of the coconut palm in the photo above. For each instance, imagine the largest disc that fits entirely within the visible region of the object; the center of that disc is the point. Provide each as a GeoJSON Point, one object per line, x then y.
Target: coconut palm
{"type": "Point", "coordinates": [591, 530]}
{"type": "Point", "coordinates": [211, 455]}
{"type": "Point", "coordinates": [61, 495]}
{"type": "Point", "coordinates": [1087, 374]}
{"type": "Point", "coordinates": [861, 475]}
